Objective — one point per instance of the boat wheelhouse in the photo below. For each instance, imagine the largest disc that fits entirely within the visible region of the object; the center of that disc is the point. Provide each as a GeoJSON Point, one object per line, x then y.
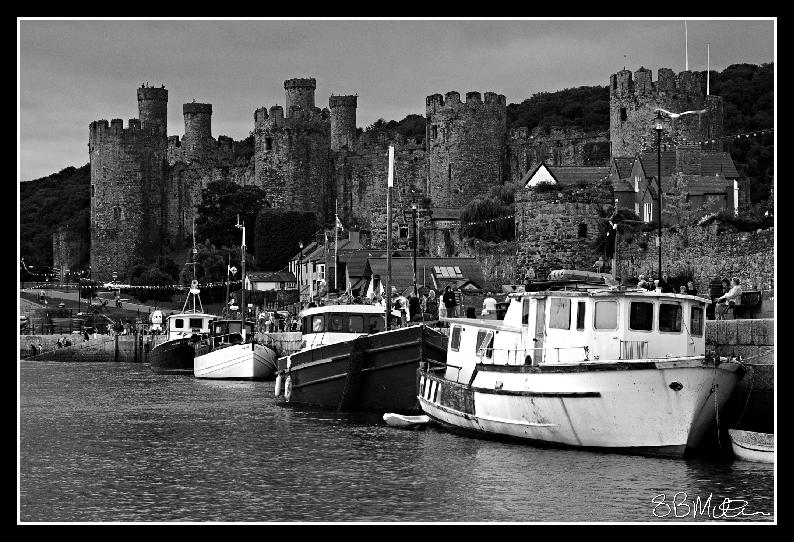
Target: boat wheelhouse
{"type": "Point", "coordinates": [228, 353]}
{"type": "Point", "coordinates": [174, 354]}
{"type": "Point", "coordinates": [585, 365]}
{"type": "Point", "coordinates": [348, 361]}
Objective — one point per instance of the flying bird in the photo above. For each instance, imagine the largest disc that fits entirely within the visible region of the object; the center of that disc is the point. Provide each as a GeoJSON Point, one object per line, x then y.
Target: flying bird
{"type": "Point", "coordinates": [676, 115]}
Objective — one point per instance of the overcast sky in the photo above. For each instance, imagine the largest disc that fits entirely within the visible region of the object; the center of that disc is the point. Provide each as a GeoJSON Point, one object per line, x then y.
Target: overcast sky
{"type": "Point", "coordinates": [74, 72]}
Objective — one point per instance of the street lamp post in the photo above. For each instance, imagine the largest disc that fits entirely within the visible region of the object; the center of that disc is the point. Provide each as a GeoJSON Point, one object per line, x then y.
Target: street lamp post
{"type": "Point", "coordinates": [659, 183]}
{"type": "Point", "coordinates": [300, 271]}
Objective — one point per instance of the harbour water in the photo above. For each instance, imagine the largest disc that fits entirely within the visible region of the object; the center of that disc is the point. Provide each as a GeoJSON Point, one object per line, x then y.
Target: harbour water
{"type": "Point", "coordinates": [114, 442]}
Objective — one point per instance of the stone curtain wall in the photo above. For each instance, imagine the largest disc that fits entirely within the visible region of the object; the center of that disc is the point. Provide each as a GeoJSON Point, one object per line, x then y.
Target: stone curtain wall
{"type": "Point", "coordinates": [556, 230]}
{"type": "Point", "coordinates": [68, 250]}
{"type": "Point", "coordinates": [556, 146]}
{"type": "Point", "coordinates": [748, 256]}
{"type": "Point", "coordinates": [499, 262]}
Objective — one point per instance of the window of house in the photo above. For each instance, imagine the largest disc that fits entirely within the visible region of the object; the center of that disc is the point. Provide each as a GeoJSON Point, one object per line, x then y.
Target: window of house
{"type": "Point", "coordinates": [641, 316]}
{"type": "Point", "coordinates": [606, 315]}
{"type": "Point", "coordinates": [525, 312]}
{"type": "Point", "coordinates": [637, 208]}
{"type": "Point", "coordinates": [580, 316]}
{"type": "Point", "coordinates": [622, 114]}
{"type": "Point", "coordinates": [314, 267]}
{"type": "Point", "coordinates": [696, 321]}
{"type": "Point", "coordinates": [669, 318]}
{"type": "Point", "coordinates": [268, 143]}
{"type": "Point", "coordinates": [179, 323]}
{"type": "Point", "coordinates": [403, 231]}
{"type": "Point", "coordinates": [647, 212]}
{"type": "Point", "coordinates": [637, 183]}
{"type": "Point", "coordinates": [560, 313]}
{"type": "Point", "coordinates": [455, 339]}
{"type": "Point", "coordinates": [583, 230]}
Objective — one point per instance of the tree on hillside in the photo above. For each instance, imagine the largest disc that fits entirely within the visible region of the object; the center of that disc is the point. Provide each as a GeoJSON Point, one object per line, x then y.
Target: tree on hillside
{"type": "Point", "coordinates": [278, 235]}
{"type": "Point", "coordinates": [222, 202]}
{"type": "Point", "coordinates": [211, 264]}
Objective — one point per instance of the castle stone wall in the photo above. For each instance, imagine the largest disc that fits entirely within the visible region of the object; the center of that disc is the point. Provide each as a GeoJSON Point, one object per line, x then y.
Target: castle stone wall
{"type": "Point", "coordinates": [68, 250]}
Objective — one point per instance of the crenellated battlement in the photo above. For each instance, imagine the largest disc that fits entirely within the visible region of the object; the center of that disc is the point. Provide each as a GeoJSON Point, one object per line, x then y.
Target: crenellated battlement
{"type": "Point", "coordinates": [625, 84]}
{"type": "Point", "coordinates": [299, 119]}
{"type": "Point", "coordinates": [194, 108]}
{"type": "Point", "coordinates": [343, 101]}
{"type": "Point", "coordinates": [301, 82]}
{"type": "Point", "coordinates": [100, 130]}
{"type": "Point", "coordinates": [436, 103]}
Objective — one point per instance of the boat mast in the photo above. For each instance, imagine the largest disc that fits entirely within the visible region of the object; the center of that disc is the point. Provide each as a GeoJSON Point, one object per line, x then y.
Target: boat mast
{"type": "Point", "coordinates": [242, 291]}
{"type": "Point", "coordinates": [388, 236]}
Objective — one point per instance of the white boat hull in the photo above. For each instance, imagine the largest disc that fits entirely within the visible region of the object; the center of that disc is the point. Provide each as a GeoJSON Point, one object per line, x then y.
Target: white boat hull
{"type": "Point", "coordinates": [236, 361]}
{"type": "Point", "coordinates": [752, 446]}
{"type": "Point", "coordinates": [634, 410]}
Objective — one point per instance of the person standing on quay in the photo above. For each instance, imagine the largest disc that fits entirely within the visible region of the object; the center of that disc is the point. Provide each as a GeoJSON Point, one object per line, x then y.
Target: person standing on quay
{"type": "Point", "coordinates": [450, 303]}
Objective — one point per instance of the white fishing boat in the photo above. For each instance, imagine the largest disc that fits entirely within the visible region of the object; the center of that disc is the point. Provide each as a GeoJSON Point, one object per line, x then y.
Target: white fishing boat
{"type": "Point", "coordinates": [581, 364]}
{"type": "Point", "coordinates": [227, 355]}
{"type": "Point", "coordinates": [231, 351]}
{"type": "Point", "coordinates": [753, 446]}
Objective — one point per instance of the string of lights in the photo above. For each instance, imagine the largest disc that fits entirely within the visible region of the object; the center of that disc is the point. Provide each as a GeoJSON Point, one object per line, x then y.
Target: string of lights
{"type": "Point", "coordinates": [598, 138]}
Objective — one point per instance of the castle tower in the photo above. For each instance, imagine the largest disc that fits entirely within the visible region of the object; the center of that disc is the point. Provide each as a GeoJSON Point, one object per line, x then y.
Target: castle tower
{"type": "Point", "coordinates": [127, 180]}
{"type": "Point", "coordinates": [633, 101]}
{"type": "Point", "coordinates": [197, 142]}
{"type": "Point", "coordinates": [465, 146]}
{"type": "Point", "coordinates": [292, 153]}
{"type": "Point", "coordinates": [153, 107]}
{"type": "Point", "coordinates": [343, 121]}
{"type": "Point", "coordinates": [300, 93]}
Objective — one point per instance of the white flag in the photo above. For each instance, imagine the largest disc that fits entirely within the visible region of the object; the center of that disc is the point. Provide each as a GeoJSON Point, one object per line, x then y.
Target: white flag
{"type": "Point", "coordinates": [339, 224]}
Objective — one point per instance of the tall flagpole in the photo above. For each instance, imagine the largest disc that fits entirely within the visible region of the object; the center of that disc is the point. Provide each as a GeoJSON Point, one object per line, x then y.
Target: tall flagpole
{"type": "Point", "coordinates": [708, 67]}
{"type": "Point", "coordinates": [686, 47]}
{"type": "Point", "coordinates": [388, 236]}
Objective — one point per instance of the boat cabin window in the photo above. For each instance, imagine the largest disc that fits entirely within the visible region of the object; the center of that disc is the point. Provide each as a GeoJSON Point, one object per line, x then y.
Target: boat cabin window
{"type": "Point", "coordinates": [485, 343]}
{"type": "Point", "coordinates": [560, 313]}
{"type": "Point", "coordinates": [606, 315]}
{"type": "Point", "coordinates": [376, 323]}
{"type": "Point", "coordinates": [335, 322]}
{"type": "Point", "coordinates": [580, 316]}
{"type": "Point", "coordinates": [641, 316]}
{"type": "Point", "coordinates": [179, 323]}
{"type": "Point", "coordinates": [696, 321]}
{"type": "Point", "coordinates": [196, 322]}
{"type": "Point", "coordinates": [317, 323]}
{"type": "Point", "coordinates": [669, 318]}
{"type": "Point", "coordinates": [525, 312]}
{"type": "Point", "coordinates": [454, 341]}
{"type": "Point", "coordinates": [355, 323]}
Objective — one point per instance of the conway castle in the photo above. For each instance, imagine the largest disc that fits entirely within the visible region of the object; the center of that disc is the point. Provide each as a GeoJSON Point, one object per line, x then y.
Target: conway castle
{"type": "Point", "coordinates": [146, 185]}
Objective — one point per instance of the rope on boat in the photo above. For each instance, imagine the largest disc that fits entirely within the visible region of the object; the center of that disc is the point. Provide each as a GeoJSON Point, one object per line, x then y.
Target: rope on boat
{"type": "Point", "coordinates": [747, 400]}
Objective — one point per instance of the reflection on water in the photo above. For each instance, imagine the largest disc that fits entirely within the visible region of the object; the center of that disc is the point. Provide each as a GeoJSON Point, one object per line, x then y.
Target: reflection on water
{"type": "Point", "coordinates": [114, 442]}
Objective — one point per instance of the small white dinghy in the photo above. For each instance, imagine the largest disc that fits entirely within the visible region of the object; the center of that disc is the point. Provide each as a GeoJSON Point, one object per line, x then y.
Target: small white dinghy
{"type": "Point", "coordinates": [405, 422]}
{"type": "Point", "coordinates": [752, 446]}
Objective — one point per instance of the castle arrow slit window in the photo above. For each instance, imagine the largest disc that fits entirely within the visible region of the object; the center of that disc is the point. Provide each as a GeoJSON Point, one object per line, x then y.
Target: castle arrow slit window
{"type": "Point", "coordinates": [582, 230]}
{"type": "Point", "coordinates": [434, 133]}
{"type": "Point", "coordinates": [268, 143]}
{"type": "Point", "coordinates": [116, 213]}
{"type": "Point", "coordinates": [622, 114]}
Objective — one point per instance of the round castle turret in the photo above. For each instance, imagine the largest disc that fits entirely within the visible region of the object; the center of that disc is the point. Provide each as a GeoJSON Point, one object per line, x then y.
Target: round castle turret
{"type": "Point", "coordinates": [127, 178]}
{"type": "Point", "coordinates": [300, 93]}
{"type": "Point", "coordinates": [153, 107]}
{"type": "Point", "coordinates": [197, 141]}
{"type": "Point", "coordinates": [633, 101]}
{"type": "Point", "coordinates": [343, 121]}
{"type": "Point", "coordinates": [465, 146]}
